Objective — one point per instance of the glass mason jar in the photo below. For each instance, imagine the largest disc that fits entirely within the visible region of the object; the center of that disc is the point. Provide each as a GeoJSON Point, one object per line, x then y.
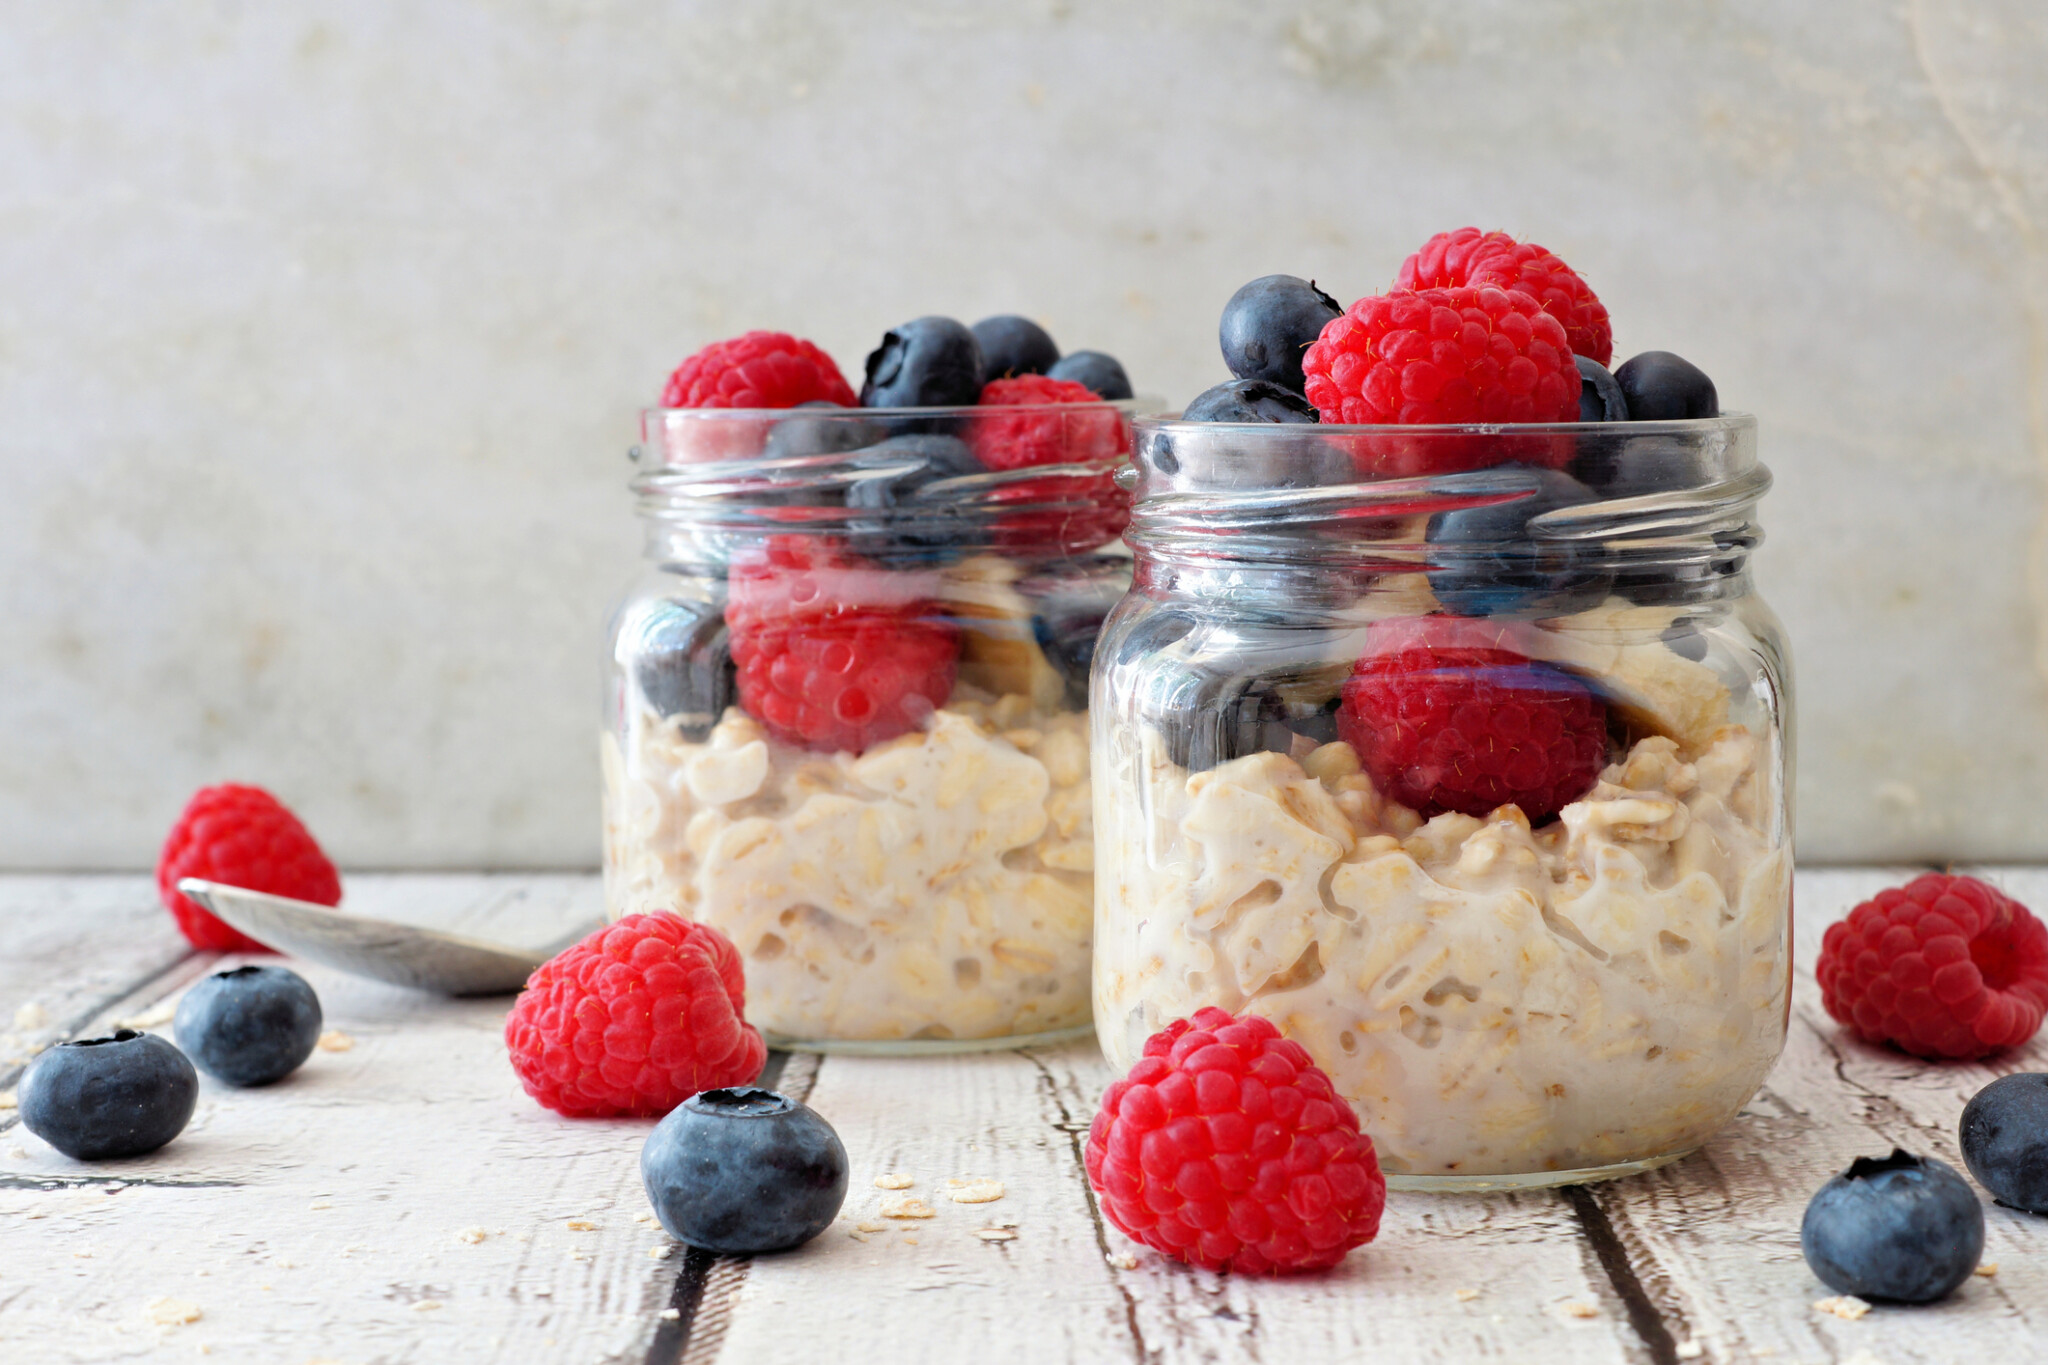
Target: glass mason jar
{"type": "Point", "coordinates": [846, 711]}
{"type": "Point", "coordinates": [1472, 780]}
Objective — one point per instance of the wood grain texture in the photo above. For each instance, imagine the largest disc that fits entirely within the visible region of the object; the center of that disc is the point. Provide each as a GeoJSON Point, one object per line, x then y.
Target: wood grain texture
{"type": "Point", "coordinates": [443, 1185]}
{"type": "Point", "coordinates": [1715, 1238]}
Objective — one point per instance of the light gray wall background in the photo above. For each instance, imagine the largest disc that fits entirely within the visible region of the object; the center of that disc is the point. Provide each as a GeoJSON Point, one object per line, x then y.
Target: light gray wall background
{"type": "Point", "coordinates": [323, 328]}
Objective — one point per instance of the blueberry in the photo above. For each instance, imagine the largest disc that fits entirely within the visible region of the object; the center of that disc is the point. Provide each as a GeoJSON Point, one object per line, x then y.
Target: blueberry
{"type": "Point", "coordinates": [1685, 640]}
{"type": "Point", "coordinates": [681, 661]}
{"type": "Point", "coordinates": [1215, 695]}
{"type": "Point", "coordinates": [1011, 346]}
{"type": "Point", "coordinates": [249, 1026]}
{"type": "Point", "coordinates": [744, 1171]}
{"type": "Point", "coordinates": [1660, 387]}
{"type": "Point", "coordinates": [1268, 324]}
{"type": "Point", "coordinates": [896, 474]}
{"type": "Point", "coordinates": [1600, 397]}
{"type": "Point", "coordinates": [96, 1098]}
{"type": "Point", "coordinates": [926, 363]}
{"type": "Point", "coordinates": [1067, 622]}
{"type": "Point", "coordinates": [820, 435]}
{"type": "Point", "coordinates": [1901, 1227]}
{"type": "Point", "coordinates": [2005, 1140]}
{"type": "Point", "coordinates": [1249, 400]}
{"type": "Point", "coordinates": [1102, 375]}
{"type": "Point", "coordinates": [1486, 563]}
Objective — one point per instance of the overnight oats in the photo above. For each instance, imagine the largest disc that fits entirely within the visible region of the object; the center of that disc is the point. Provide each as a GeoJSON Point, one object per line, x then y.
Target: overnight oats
{"type": "Point", "coordinates": [847, 708]}
{"type": "Point", "coordinates": [1456, 748]}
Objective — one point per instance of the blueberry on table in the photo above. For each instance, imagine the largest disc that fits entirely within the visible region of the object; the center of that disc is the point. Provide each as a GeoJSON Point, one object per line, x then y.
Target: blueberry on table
{"type": "Point", "coordinates": [1269, 323]}
{"type": "Point", "coordinates": [1011, 346]}
{"type": "Point", "coordinates": [1100, 373]}
{"type": "Point", "coordinates": [1249, 400]}
{"type": "Point", "coordinates": [744, 1171]}
{"type": "Point", "coordinates": [249, 1026]}
{"type": "Point", "coordinates": [1661, 387]}
{"type": "Point", "coordinates": [2005, 1140]}
{"type": "Point", "coordinates": [1600, 397]}
{"type": "Point", "coordinates": [1905, 1228]}
{"type": "Point", "coordinates": [1485, 562]}
{"type": "Point", "coordinates": [97, 1098]}
{"type": "Point", "coordinates": [927, 362]}
{"type": "Point", "coordinates": [682, 663]}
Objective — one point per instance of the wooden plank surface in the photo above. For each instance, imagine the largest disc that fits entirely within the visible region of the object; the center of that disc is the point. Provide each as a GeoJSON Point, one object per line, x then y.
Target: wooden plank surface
{"type": "Point", "coordinates": [403, 1201]}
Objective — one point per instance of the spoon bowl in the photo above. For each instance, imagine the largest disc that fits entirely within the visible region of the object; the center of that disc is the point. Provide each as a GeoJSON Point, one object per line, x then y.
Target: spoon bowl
{"type": "Point", "coordinates": [402, 954]}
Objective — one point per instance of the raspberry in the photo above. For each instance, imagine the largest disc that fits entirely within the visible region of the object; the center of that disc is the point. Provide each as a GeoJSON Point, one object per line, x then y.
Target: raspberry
{"type": "Point", "coordinates": [1226, 1147]}
{"type": "Point", "coordinates": [240, 836]}
{"type": "Point", "coordinates": [831, 653]}
{"type": "Point", "coordinates": [1942, 967]}
{"type": "Point", "coordinates": [757, 370]}
{"type": "Point", "coordinates": [1445, 716]}
{"type": "Point", "coordinates": [634, 1020]}
{"type": "Point", "coordinates": [1443, 355]}
{"type": "Point", "coordinates": [1092, 509]}
{"type": "Point", "coordinates": [1468, 256]}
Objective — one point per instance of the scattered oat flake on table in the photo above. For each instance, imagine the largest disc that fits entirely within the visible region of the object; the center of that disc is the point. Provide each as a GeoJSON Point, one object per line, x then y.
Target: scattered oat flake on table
{"type": "Point", "coordinates": [1987, 1270]}
{"type": "Point", "coordinates": [1465, 1295]}
{"type": "Point", "coordinates": [426, 1305]}
{"type": "Point", "coordinates": [334, 1040]}
{"type": "Point", "coordinates": [974, 1191]}
{"type": "Point", "coordinates": [155, 1016]}
{"type": "Point", "coordinates": [1689, 1350]}
{"type": "Point", "coordinates": [659, 1253]}
{"type": "Point", "coordinates": [582, 1225]}
{"type": "Point", "coordinates": [1845, 1306]}
{"type": "Point", "coordinates": [472, 1235]}
{"type": "Point", "coordinates": [165, 1311]}
{"type": "Point", "coordinates": [319, 1206]}
{"type": "Point", "coordinates": [8, 1100]}
{"type": "Point", "coordinates": [671, 1314]}
{"type": "Point", "coordinates": [872, 1227]}
{"type": "Point", "coordinates": [909, 1206]}
{"type": "Point", "coordinates": [894, 1180]}
{"type": "Point", "coordinates": [995, 1234]}
{"type": "Point", "coordinates": [30, 1016]}
{"type": "Point", "coordinates": [643, 1217]}
{"type": "Point", "coordinates": [1122, 1260]}
{"type": "Point", "coordinates": [1578, 1308]}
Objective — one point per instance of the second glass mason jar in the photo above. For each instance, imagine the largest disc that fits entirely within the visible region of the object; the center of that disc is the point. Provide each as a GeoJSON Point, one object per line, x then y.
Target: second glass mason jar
{"type": "Point", "coordinates": [846, 711]}
{"type": "Point", "coordinates": [1469, 774]}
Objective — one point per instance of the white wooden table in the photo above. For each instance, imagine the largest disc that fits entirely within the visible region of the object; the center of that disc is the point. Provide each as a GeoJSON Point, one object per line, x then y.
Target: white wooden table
{"type": "Point", "coordinates": [401, 1201]}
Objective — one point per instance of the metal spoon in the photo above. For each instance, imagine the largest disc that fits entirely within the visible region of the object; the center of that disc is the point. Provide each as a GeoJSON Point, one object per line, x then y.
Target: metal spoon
{"type": "Point", "coordinates": [403, 954]}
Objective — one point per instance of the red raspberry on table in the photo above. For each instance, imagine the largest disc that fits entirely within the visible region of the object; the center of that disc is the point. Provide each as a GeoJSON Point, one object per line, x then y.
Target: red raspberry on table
{"type": "Point", "coordinates": [1467, 256]}
{"type": "Point", "coordinates": [1942, 967]}
{"type": "Point", "coordinates": [1089, 509]}
{"type": "Point", "coordinates": [240, 836]}
{"type": "Point", "coordinates": [1443, 356]}
{"type": "Point", "coordinates": [1447, 715]}
{"type": "Point", "coordinates": [757, 370]}
{"type": "Point", "coordinates": [1227, 1148]}
{"type": "Point", "coordinates": [634, 1020]}
{"type": "Point", "coordinates": [832, 653]}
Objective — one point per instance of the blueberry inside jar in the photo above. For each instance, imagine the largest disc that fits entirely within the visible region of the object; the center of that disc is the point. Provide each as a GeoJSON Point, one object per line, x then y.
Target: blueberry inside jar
{"type": "Point", "coordinates": [847, 704]}
{"type": "Point", "coordinates": [1467, 774]}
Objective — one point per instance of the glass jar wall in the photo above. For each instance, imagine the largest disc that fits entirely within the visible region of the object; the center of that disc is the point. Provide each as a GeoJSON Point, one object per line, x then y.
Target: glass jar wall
{"type": "Point", "coordinates": [1472, 782]}
{"type": "Point", "coordinates": [846, 711]}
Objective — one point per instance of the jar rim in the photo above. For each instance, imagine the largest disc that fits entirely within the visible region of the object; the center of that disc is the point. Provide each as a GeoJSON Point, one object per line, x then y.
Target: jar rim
{"type": "Point", "coordinates": [1689, 426]}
